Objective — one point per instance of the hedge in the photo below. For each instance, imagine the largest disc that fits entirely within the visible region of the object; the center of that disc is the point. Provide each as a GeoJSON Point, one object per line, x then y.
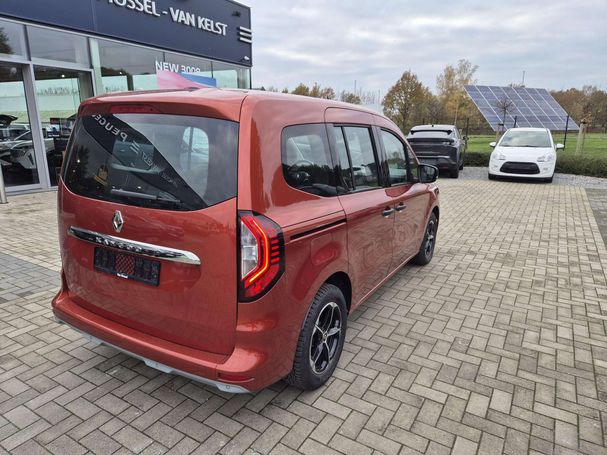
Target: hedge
{"type": "Point", "coordinates": [581, 165]}
{"type": "Point", "coordinates": [566, 163]}
{"type": "Point", "coordinates": [476, 159]}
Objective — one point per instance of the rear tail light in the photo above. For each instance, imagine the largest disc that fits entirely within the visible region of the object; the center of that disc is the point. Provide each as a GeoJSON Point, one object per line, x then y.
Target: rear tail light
{"type": "Point", "coordinates": [262, 259]}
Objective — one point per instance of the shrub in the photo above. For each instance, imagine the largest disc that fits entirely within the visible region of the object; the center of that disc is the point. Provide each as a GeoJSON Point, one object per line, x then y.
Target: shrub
{"type": "Point", "coordinates": [581, 165]}
{"type": "Point", "coordinates": [476, 159]}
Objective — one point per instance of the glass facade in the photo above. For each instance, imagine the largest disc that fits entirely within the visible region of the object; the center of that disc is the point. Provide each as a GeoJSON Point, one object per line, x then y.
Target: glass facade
{"type": "Point", "coordinates": [12, 40]}
{"type": "Point", "coordinates": [44, 75]}
{"type": "Point", "coordinates": [59, 46]}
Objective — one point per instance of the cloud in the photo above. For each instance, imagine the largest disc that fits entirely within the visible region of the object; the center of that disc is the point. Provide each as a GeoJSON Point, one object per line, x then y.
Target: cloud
{"type": "Point", "coordinates": [558, 43]}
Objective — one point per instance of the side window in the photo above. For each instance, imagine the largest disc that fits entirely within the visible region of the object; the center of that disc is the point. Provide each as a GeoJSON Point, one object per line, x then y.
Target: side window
{"type": "Point", "coordinates": [397, 161]}
{"type": "Point", "coordinates": [306, 159]}
{"type": "Point", "coordinates": [364, 165]}
{"type": "Point", "coordinates": [413, 164]}
{"type": "Point", "coordinates": [344, 160]}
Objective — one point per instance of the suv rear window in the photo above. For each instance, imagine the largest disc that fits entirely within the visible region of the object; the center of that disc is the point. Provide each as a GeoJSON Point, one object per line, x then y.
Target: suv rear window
{"type": "Point", "coordinates": [161, 161]}
{"type": "Point", "coordinates": [429, 134]}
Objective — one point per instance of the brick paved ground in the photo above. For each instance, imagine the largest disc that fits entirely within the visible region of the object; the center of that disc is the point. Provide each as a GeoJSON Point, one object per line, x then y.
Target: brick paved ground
{"type": "Point", "coordinates": [598, 202]}
{"type": "Point", "coordinates": [499, 345]}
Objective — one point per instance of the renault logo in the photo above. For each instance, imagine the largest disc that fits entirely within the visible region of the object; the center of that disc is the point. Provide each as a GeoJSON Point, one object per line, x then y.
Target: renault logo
{"type": "Point", "coordinates": [117, 221]}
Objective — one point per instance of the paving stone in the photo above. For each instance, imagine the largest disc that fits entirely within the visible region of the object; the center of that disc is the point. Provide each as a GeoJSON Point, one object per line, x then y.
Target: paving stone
{"type": "Point", "coordinates": [132, 439]}
{"type": "Point", "coordinates": [99, 443]}
{"type": "Point", "coordinates": [463, 446]}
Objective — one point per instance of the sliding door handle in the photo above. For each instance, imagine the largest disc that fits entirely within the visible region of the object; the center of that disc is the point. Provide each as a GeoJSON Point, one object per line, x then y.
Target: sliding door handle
{"type": "Point", "coordinates": [400, 207]}
{"type": "Point", "coordinates": [387, 212]}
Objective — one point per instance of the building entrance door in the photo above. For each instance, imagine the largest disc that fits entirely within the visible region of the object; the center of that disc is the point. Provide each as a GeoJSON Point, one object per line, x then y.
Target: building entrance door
{"type": "Point", "coordinates": [17, 158]}
{"type": "Point", "coordinates": [59, 92]}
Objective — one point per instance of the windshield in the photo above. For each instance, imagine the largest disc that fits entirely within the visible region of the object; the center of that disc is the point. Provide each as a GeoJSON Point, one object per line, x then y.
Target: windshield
{"type": "Point", "coordinates": [171, 162]}
{"type": "Point", "coordinates": [514, 138]}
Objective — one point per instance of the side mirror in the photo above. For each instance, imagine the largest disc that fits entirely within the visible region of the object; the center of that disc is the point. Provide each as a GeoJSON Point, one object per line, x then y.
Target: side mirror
{"type": "Point", "coordinates": [427, 173]}
{"type": "Point", "coordinates": [559, 147]}
{"type": "Point", "coordinates": [493, 144]}
{"type": "Point", "coordinates": [465, 138]}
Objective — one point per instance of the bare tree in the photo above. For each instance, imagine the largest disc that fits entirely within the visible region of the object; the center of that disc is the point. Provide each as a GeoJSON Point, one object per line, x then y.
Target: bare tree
{"type": "Point", "coordinates": [504, 105]}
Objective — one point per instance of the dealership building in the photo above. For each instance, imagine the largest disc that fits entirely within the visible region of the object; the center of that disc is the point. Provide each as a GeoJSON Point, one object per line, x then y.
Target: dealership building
{"type": "Point", "coordinates": [55, 54]}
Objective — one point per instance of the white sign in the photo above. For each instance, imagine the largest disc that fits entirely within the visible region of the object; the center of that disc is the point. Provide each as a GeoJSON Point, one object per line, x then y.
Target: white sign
{"type": "Point", "coordinates": [177, 15]}
{"type": "Point", "coordinates": [176, 67]}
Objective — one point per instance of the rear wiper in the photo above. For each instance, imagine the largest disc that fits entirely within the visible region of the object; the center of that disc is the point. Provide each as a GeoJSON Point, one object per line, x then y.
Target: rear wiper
{"type": "Point", "coordinates": [149, 197]}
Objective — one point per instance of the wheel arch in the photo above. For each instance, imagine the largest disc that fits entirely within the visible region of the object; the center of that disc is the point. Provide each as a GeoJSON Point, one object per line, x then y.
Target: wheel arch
{"type": "Point", "coordinates": [436, 212]}
{"type": "Point", "coordinates": [342, 281]}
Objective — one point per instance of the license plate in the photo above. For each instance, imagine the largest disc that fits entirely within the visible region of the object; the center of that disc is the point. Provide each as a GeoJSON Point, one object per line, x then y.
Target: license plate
{"type": "Point", "coordinates": [127, 266]}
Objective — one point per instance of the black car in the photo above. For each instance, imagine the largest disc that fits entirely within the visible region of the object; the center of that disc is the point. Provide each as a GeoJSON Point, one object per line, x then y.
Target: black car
{"type": "Point", "coordinates": [439, 145]}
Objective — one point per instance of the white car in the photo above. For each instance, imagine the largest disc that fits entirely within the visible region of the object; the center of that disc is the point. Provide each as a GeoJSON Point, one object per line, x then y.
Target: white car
{"type": "Point", "coordinates": [525, 153]}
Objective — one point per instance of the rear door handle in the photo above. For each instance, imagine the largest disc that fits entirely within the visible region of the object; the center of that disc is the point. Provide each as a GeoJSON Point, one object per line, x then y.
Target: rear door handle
{"type": "Point", "coordinates": [387, 212]}
{"type": "Point", "coordinates": [400, 207]}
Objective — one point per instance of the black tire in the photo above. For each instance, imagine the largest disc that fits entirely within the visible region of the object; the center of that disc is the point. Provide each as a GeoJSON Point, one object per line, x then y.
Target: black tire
{"type": "Point", "coordinates": [461, 164]}
{"type": "Point", "coordinates": [549, 179]}
{"type": "Point", "coordinates": [328, 347]}
{"type": "Point", "coordinates": [426, 250]}
{"type": "Point", "coordinates": [454, 173]}
{"type": "Point", "coordinates": [492, 177]}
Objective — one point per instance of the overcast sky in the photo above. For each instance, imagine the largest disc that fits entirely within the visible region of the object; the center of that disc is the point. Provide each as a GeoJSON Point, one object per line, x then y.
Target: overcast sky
{"type": "Point", "coordinates": [560, 44]}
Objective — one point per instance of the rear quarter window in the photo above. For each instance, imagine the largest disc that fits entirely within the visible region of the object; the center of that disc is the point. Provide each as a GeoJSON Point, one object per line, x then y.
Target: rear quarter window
{"type": "Point", "coordinates": [306, 159]}
{"type": "Point", "coordinates": [158, 161]}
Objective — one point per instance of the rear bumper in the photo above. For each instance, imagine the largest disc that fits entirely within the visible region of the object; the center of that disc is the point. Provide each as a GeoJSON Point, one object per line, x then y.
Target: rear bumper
{"type": "Point", "coordinates": [224, 387]}
{"type": "Point", "coordinates": [442, 162]}
{"type": "Point", "coordinates": [259, 357]}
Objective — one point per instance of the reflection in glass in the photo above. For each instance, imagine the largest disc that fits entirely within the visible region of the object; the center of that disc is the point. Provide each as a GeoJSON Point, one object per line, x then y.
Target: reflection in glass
{"type": "Point", "coordinates": [59, 93]}
{"type": "Point", "coordinates": [17, 157]}
{"type": "Point", "coordinates": [125, 67]}
{"type": "Point", "coordinates": [12, 40]}
{"type": "Point", "coordinates": [53, 45]}
{"type": "Point", "coordinates": [187, 64]}
{"type": "Point", "coordinates": [231, 75]}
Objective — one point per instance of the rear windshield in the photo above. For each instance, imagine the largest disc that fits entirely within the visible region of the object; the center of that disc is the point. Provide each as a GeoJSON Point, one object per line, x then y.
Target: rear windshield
{"type": "Point", "coordinates": [170, 162]}
{"type": "Point", "coordinates": [429, 134]}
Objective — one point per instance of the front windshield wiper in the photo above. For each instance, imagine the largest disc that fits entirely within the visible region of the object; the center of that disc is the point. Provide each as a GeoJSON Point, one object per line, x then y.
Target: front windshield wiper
{"type": "Point", "coordinates": [149, 197]}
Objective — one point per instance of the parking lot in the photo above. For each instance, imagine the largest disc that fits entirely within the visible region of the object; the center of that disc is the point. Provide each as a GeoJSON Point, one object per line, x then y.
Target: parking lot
{"type": "Point", "coordinates": [499, 345]}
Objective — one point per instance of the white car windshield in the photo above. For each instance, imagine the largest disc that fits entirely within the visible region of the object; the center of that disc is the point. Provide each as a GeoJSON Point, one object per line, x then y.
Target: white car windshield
{"type": "Point", "coordinates": [525, 139]}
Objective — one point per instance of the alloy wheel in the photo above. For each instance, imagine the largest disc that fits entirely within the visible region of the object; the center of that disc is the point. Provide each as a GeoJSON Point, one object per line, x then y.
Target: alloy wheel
{"type": "Point", "coordinates": [430, 238]}
{"type": "Point", "coordinates": [325, 337]}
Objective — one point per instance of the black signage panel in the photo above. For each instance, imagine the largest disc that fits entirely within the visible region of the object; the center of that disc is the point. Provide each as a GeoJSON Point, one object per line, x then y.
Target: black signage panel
{"type": "Point", "coordinates": [215, 29]}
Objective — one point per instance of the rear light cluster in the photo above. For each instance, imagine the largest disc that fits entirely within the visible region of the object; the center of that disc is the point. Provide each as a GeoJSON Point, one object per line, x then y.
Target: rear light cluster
{"type": "Point", "coordinates": [262, 258]}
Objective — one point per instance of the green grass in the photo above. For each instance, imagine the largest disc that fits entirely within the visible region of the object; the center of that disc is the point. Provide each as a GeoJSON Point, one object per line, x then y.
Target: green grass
{"type": "Point", "coordinates": [595, 145]}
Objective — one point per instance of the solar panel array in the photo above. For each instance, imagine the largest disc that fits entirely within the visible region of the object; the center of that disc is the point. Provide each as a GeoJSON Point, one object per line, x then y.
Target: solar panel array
{"type": "Point", "coordinates": [529, 107]}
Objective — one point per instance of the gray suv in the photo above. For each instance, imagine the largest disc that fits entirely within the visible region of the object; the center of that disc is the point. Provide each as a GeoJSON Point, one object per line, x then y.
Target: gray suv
{"type": "Point", "coordinates": [439, 145]}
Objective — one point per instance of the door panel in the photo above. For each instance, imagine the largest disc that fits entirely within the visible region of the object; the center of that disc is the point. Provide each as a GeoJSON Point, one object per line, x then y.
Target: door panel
{"type": "Point", "coordinates": [369, 214]}
{"type": "Point", "coordinates": [409, 199]}
{"type": "Point", "coordinates": [141, 192]}
{"type": "Point", "coordinates": [410, 202]}
{"type": "Point", "coordinates": [370, 235]}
